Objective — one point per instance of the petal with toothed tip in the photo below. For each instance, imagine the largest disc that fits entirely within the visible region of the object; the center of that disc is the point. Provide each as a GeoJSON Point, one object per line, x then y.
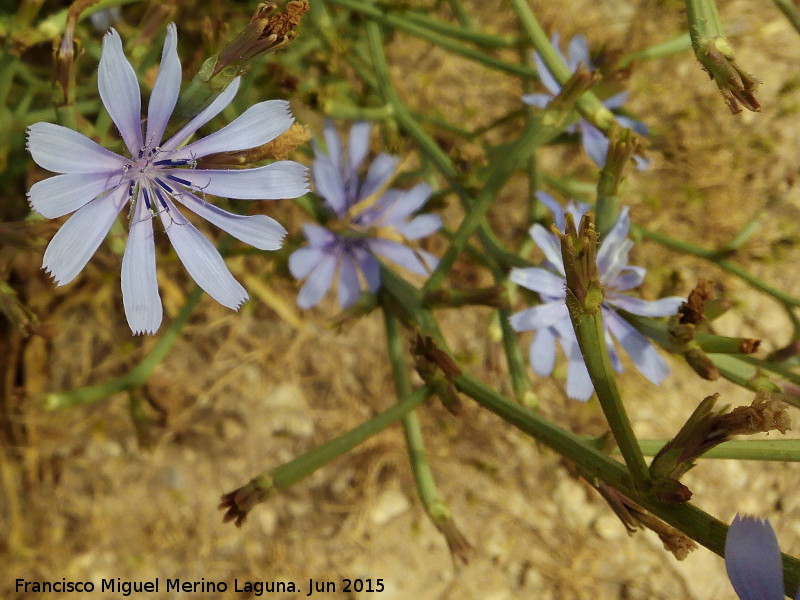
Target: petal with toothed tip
{"type": "Point", "coordinates": [78, 239]}
{"type": "Point", "coordinates": [140, 296]}
{"type": "Point", "coordinates": [119, 90]}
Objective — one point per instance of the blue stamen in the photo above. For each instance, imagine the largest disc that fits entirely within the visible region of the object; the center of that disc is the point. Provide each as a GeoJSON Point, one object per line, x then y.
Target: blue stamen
{"type": "Point", "coordinates": [164, 185]}
{"type": "Point", "coordinates": [179, 180]}
{"type": "Point", "coordinates": [146, 199]}
{"type": "Point", "coordinates": [161, 198]}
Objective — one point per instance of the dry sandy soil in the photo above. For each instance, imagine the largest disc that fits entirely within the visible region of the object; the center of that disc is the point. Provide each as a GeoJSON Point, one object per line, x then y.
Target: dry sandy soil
{"type": "Point", "coordinates": [85, 498]}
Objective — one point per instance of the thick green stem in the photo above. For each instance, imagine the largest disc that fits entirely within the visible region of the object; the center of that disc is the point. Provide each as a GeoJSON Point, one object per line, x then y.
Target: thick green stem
{"type": "Point", "coordinates": [288, 474]}
{"type": "Point", "coordinates": [690, 520]}
{"type": "Point", "coordinates": [591, 339]}
{"type": "Point", "coordinates": [790, 11]}
{"type": "Point", "coordinates": [777, 450]}
{"type": "Point", "coordinates": [435, 507]}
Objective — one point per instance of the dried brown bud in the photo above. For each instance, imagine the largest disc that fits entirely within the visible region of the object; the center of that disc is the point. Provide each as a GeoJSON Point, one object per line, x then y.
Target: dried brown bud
{"type": "Point", "coordinates": [735, 84]}
{"type": "Point", "coordinates": [238, 503]}
{"type": "Point", "coordinates": [635, 517]}
{"type": "Point", "coordinates": [579, 253]}
{"type": "Point", "coordinates": [266, 32]}
{"type": "Point", "coordinates": [763, 415]}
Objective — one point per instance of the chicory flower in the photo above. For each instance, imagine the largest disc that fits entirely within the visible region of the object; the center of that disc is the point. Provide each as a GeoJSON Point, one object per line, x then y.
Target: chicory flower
{"type": "Point", "coordinates": [593, 140]}
{"type": "Point", "coordinates": [153, 179]}
{"type": "Point", "coordinates": [753, 560]}
{"type": "Point", "coordinates": [368, 221]}
{"type": "Point", "coordinates": [550, 320]}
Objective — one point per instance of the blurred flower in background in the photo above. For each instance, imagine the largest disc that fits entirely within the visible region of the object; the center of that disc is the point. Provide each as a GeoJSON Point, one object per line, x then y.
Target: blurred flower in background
{"type": "Point", "coordinates": [97, 183]}
{"type": "Point", "coordinates": [550, 320]}
{"type": "Point", "coordinates": [370, 221]}
{"type": "Point", "coordinates": [594, 141]}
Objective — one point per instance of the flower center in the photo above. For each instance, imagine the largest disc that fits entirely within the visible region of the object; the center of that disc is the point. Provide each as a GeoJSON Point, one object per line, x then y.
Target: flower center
{"type": "Point", "coordinates": [150, 172]}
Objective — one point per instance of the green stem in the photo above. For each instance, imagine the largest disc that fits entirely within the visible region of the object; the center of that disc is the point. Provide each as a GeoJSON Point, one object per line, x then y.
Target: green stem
{"type": "Point", "coordinates": [680, 43]}
{"type": "Point", "coordinates": [288, 474]}
{"type": "Point", "coordinates": [692, 521]}
{"type": "Point", "coordinates": [714, 256]}
{"type": "Point", "coordinates": [591, 339]}
{"type": "Point", "coordinates": [777, 450]}
{"type": "Point", "coordinates": [790, 11]}
{"type": "Point", "coordinates": [376, 15]}
{"type": "Point", "coordinates": [136, 376]}
{"type": "Point", "coordinates": [461, 14]}
{"type": "Point", "coordinates": [435, 507]}
{"type": "Point", "coordinates": [466, 32]}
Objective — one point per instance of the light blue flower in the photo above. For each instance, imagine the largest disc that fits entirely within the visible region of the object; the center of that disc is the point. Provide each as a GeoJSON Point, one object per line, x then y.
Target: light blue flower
{"type": "Point", "coordinates": [753, 560]}
{"type": "Point", "coordinates": [550, 319]}
{"type": "Point", "coordinates": [369, 221]}
{"type": "Point", "coordinates": [594, 141]}
{"type": "Point", "coordinates": [96, 184]}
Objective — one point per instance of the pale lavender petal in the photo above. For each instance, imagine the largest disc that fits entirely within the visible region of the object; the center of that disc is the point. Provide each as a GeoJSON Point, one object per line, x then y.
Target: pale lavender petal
{"type": "Point", "coordinates": [63, 194]}
{"type": "Point", "coordinates": [77, 240]}
{"type": "Point", "coordinates": [549, 245]}
{"type": "Point", "coordinates": [637, 126]}
{"type": "Point", "coordinates": [283, 179]}
{"type": "Point", "coordinates": [140, 295]}
{"type": "Point", "coordinates": [379, 174]}
{"type": "Point", "coordinates": [63, 150]}
{"type": "Point", "coordinates": [537, 100]}
{"type": "Point", "coordinates": [349, 286]}
{"type": "Point", "coordinates": [579, 384]}
{"type": "Point", "coordinates": [554, 207]}
{"type": "Point", "coordinates": [539, 317]}
{"type": "Point", "coordinates": [318, 282]}
{"type": "Point", "coordinates": [119, 90]}
{"type": "Point", "coordinates": [642, 163]}
{"type": "Point", "coordinates": [403, 203]}
{"type": "Point", "coordinates": [303, 260]}
{"type": "Point", "coordinates": [540, 281]}
{"type": "Point", "coordinates": [166, 89]}
{"type": "Point", "coordinates": [577, 210]}
{"type": "Point", "coordinates": [543, 352]}
{"type": "Point", "coordinates": [329, 184]}
{"type": "Point", "coordinates": [545, 76]}
{"type": "Point", "coordinates": [370, 268]}
{"type": "Point", "coordinates": [333, 143]}
{"type": "Point", "coordinates": [358, 145]}
{"type": "Point", "coordinates": [420, 226]}
{"type": "Point", "coordinates": [613, 355]}
{"type": "Point", "coordinates": [641, 351]}
{"type": "Point", "coordinates": [256, 126]}
{"type": "Point", "coordinates": [318, 236]}
{"type": "Point", "coordinates": [594, 142]}
{"type": "Point", "coordinates": [753, 560]}
{"type": "Point", "coordinates": [204, 116]}
{"type": "Point", "coordinates": [578, 52]}
{"type": "Point", "coordinates": [416, 261]}
{"type": "Point", "coordinates": [616, 101]}
{"type": "Point", "coordinates": [628, 278]}
{"type": "Point", "coordinates": [203, 261]}
{"type": "Point", "coordinates": [662, 307]}
{"type": "Point", "coordinates": [612, 256]}
{"type": "Point", "coordinates": [259, 231]}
